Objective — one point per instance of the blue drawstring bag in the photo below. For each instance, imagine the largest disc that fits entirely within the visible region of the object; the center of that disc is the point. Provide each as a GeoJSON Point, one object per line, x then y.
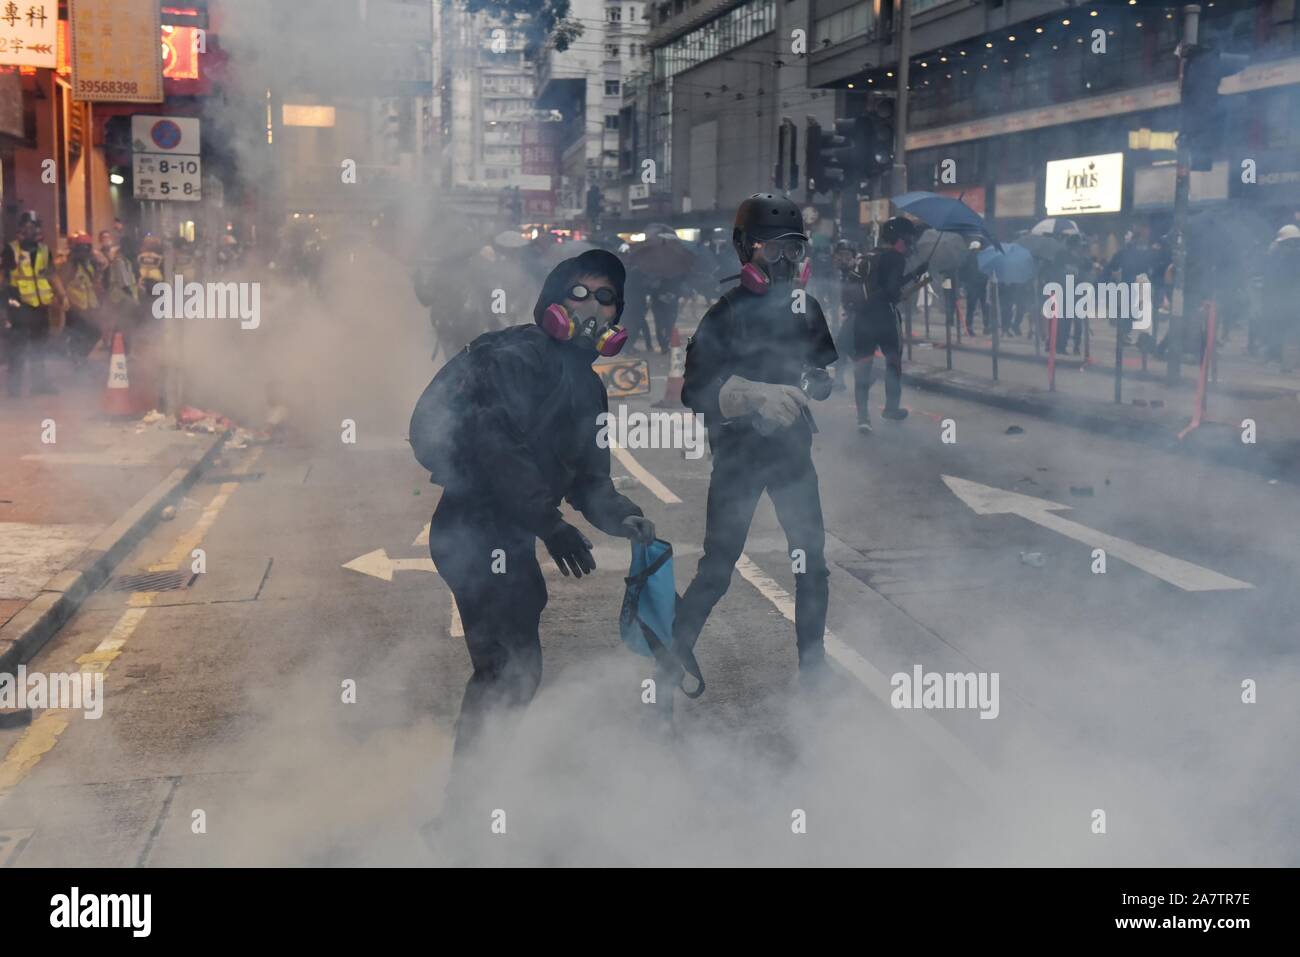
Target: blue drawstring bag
{"type": "Point", "coordinates": [649, 606]}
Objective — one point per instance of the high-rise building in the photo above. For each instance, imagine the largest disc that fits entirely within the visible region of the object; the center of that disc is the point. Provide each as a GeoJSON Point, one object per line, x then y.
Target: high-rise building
{"type": "Point", "coordinates": [486, 96]}
{"type": "Point", "coordinates": [585, 84]}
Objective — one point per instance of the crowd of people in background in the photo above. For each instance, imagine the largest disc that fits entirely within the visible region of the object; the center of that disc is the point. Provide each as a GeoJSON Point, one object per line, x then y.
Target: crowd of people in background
{"type": "Point", "coordinates": [71, 299]}
{"type": "Point", "coordinates": [1254, 285]}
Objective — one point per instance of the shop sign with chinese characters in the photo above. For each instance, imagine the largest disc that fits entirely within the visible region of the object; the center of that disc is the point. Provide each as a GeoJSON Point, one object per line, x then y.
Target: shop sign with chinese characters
{"type": "Point", "coordinates": [29, 33]}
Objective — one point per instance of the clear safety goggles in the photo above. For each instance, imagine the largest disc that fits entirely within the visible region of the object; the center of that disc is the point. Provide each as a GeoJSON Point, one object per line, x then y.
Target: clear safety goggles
{"type": "Point", "coordinates": [794, 250]}
{"type": "Point", "coordinates": [604, 295]}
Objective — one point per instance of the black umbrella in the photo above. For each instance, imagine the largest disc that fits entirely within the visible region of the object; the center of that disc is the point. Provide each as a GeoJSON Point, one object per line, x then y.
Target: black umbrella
{"type": "Point", "coordinates": [1044, 248]}
{"type": "Point", "coordinates": [662, 258]}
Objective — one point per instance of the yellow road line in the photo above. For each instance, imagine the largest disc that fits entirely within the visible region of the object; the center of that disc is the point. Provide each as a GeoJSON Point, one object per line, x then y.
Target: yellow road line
{"type": "Point", "coordinates": [45, 730]}
{"type": "Point", "coordinates": [186, 544]}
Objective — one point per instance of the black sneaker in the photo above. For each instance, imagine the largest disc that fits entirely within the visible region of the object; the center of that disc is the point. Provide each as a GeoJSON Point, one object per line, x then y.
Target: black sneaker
{"type": "Point", "coordinates": [895, 415]}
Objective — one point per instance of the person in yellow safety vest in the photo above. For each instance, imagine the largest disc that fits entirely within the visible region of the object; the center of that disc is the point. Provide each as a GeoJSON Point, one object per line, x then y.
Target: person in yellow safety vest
{"type": "Point", "coordinates": [120, 309]}
{"type": "Point", "coordinates": [149, 265]}
{"type": "Point", "coordinates": [32, 288]}
{"type": "Point", "coordinates": [81, 328]}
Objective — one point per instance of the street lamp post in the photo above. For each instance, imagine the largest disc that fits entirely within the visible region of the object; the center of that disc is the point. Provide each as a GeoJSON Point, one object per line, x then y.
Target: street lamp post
{"type": "Point", "coordinates": [1182, 195]}
{"type": "Point", "coordinates": [900, 114]}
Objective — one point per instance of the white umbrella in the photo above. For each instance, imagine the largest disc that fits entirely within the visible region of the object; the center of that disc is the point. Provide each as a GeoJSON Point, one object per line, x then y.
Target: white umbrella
{"type": "Point", "coordinates": [1056, 226]}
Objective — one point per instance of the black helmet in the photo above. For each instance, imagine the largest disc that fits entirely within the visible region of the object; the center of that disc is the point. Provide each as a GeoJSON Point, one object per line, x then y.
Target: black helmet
{"type": "Point", "coordinates": [28, 217]}
{"type": "Point", "coordinates": [765, 216]}
{"type": "Point", "coordinates": [892, 230]}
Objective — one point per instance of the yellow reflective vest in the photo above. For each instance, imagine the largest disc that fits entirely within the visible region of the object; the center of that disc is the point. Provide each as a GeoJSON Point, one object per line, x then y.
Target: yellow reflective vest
{"type": "Point", "coordinates": [149, 268]}
{"type": "Point", "coordinates": [32, 281]}
{"type": "Point", "coordinates": [81, 287]}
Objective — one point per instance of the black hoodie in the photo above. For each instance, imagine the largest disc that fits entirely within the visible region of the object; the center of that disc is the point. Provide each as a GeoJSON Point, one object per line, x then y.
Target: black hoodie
{"type": "Point", "coordinates": [533, 440]}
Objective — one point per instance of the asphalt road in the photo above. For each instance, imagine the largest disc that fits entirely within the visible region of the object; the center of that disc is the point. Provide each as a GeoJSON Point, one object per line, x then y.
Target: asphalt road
{"type": "Point", "coordinates": [1120, 735]}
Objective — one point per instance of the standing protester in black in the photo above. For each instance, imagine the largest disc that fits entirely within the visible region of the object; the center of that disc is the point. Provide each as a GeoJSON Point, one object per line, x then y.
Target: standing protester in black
{"type": "Point", "coordinates": [530, 441]}
{"type": "Point", "coordinates": [873, 307]}
{"type": "Point", "coordinates": [975, 286]}
{"type": "Point", "coordinates": [759, 353]}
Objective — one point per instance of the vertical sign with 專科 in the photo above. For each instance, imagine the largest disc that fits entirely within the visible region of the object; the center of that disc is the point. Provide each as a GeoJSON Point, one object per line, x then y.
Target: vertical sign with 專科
{"type": "Point", "coordinates": [165, 160]}
{"type": "Point", "coordinates": [29, 33]}
{"type": "Point", "coordinates": [116, 53]}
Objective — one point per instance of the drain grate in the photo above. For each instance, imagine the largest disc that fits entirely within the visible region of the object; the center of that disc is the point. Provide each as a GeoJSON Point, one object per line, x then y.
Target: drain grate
{"type": "Point", "coordinates": [153, 581]}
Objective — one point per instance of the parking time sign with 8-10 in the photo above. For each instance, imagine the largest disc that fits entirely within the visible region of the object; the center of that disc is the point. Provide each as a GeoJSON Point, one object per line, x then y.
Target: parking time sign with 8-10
{"type": "Point", "coordinates": [167, 177]}
{"type": "Point", "coordinates": [165, 158]}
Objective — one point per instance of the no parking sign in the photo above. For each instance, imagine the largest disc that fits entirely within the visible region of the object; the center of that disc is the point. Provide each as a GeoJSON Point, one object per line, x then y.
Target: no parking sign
{"type": "Point", "coordinates": [165, 157]}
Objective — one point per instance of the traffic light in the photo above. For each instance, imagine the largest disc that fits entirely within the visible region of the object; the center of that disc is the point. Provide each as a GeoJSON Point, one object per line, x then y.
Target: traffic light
{"type": "Point", "coordinates": [1203, 112]}
{"type": "Point", "coordinates": [785, 176]}
{"type": "Point", "coordinates": [861, 147]}
{"type": "Point", "coordinates": [879, 146]}
{"type": "Point", "coordinates": [842, 152]}
{"type": "Point", "coordinates": [812, 157]}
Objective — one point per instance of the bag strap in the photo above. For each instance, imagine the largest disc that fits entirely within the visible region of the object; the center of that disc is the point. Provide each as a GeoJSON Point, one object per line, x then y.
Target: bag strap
{"type": "Point", "coordinates": [670, 659]}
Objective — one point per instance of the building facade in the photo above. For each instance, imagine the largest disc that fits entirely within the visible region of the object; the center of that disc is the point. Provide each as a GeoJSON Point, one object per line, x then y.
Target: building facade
{"type": "Point", "coordinates": [585, 84]}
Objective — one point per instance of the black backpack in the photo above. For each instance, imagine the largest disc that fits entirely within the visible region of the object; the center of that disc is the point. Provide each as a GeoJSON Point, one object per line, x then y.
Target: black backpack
{"type": "Point", "coordinates": [444, 410]}
{"type": "Point", "coordinates": [444, 415]}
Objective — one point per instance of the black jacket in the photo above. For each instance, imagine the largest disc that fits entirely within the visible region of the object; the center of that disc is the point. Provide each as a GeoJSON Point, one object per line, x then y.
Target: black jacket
{"type": "Point", "coordinates": [873, 301]}
{"type": "Point", "coordinates": [760, 338]}
{"type": "Point", "coordinates": [533, 439]}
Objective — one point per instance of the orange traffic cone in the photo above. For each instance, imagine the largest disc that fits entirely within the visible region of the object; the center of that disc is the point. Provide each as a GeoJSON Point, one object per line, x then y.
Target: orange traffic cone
{"type": "Point", "coordinates": [676, 369]}
{"type": "Point", "coordinates": [117, 393]}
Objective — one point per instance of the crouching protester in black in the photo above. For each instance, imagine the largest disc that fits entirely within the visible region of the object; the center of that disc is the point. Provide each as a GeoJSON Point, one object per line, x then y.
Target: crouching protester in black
{"type": "Point", "coordinates": [525, 439]}
{"type": "Point", "coordinates": [759, 353]}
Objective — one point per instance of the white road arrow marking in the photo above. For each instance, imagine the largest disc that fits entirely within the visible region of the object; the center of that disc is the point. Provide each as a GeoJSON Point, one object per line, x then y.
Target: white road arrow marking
{"type": "Point", "coordinates": [985, 500]}
{"type": "Point", "coordinates": [378, 564]}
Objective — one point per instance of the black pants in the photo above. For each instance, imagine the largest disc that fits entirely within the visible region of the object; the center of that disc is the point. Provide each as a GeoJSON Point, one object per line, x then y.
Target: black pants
{"type": "Point", "coordinates": [634, 321]}
{"type": "Point", "coordinates": [27, 341]}
{"type": "Point", "coordinates": [1067, 328]}
{"type": "Point", "coordinates": [867, 337]}
{"type": "Point", "coordinates": [500, 612]}
{"type": "Point", "coordinates": [975, 303]}
{"type": "Point", "coordinates": [665, 313]}
{"type": "Point", "coordinates": [81, 332]}
{"type": "Point", "coordinates": [735, 485]}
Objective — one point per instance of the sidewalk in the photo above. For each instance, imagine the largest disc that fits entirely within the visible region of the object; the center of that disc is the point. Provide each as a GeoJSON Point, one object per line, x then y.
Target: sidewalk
{"type": "Point", "coordinates": [1235, 373]}
{"type": "Point", "coordinates": [77, 504]}
{"type": "Point", "coordinates": [1151, 411]}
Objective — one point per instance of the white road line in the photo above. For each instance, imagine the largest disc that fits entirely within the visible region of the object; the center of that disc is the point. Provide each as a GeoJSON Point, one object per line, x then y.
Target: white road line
{"type": "Point", "coordinates": [987, 500]}
{"type": "Point", "coordinates": [948, 747]}
{"type": "Point", "coordinates": [639, 472]}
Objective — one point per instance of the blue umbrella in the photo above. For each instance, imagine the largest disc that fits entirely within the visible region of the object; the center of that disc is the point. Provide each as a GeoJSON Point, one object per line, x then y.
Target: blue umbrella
{"type": "Point", "coordinates": [1013, 264]}
{"type": "Point", "coordinates": [943, 213]}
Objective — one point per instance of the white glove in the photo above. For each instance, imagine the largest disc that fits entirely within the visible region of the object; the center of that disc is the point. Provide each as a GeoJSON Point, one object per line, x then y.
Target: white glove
{"type": "Point", "coordinates": [775, 406]}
